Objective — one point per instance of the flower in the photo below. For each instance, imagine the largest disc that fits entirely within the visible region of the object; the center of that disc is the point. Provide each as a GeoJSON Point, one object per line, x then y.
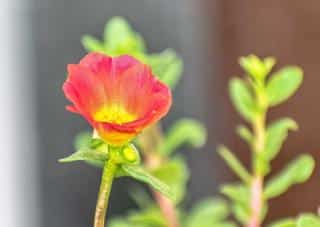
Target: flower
{"type": "Point", "coordinates": [118, 96]}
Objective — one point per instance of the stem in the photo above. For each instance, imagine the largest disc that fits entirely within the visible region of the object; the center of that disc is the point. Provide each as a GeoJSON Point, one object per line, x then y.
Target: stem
{"type": "Point", "coordinates": [109, 171]}
{"type": "Point", "coordinates": [167, 208]}
{"type": "Point", "coordinates": [257, 202]}
{"type": "Point", "coordinates": [149, 141]}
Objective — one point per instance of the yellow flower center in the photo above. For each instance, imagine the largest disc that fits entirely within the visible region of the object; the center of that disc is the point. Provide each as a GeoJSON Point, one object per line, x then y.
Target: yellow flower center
{"type": "Point", "coordinates": [114, 113]}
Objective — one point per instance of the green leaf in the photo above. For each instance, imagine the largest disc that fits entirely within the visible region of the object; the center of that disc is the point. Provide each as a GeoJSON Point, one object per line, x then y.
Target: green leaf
{"type": "Point", "coordinates": [242, 98]}
{"type": "Point", "coordinates": [245, 133]}
{"type": "Point", "coordinates": [298, 171]}
{"type": "Point", "coordinates": [175, 174]}
{"type": "Point", "coordinates": [283, 84]}
{"type": "Point", "coordinates": [183, 131]}
{"type": "Point", "coordinates": [120, 38]}
{"type": "Point", "coordinates": [238, 193]}
{"type": "Point", "coordinates": [167, 66]}
{"type": "Point", "coordinates": [82, 140]}
{"type": "Point", "coordinates": [277, 132]}
{"type": "Point", "coordinates": [308, 220]}
{"type": "Point", "coordinates": [256, 67]}
{"type": "Point", "coordinates": [94, 157]}
{"type": "Point", "coordinates": [90, 150]}
{"type": "Point", "coordinates": [91, 44]}
{"type": "Point", "coordinates": [288, 222]}
{"type": "Point", "coordinates": [234, 164]}
{"type": "Point", "coordinates": [241, 213]}
{"type": "Point", "coordinates": [209, 213]}
{"type": "Point", "coordinates": [140, 174]}
{"type": "Point", "coordinates": [141, 197]}
{"type": "Point", "coordinates": [119, 222]}
{"type": "Point", "coordinates": [149, 217]}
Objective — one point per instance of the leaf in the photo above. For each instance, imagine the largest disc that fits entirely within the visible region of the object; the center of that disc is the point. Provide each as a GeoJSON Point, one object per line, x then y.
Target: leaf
{"type": "Point", "coordinates": [234, 164]}
{"type": "Point", "coordinates": [91, 44]}
{"type": "Point", "coordinates": [245, 133]}
{"type": "Point", "coordinates": [256, 67]}
{"type": "Point", "coordinates": [140, 174]}
{"type": "Point", "coordinates": [149, 217]}
{"type": "Point", "coordinates": [94, 157]}
{"type": "Point", "coordinates": [183, 131]}
{"type": "Point", "coordinates": [308, 220]}
{"type": "Point", "coordinates": [141, 197]}
{"type": "Point", "coordinates": [241, 213]}
{"type": "Point", "coordinates": [175, 174]}
{"type": "Point", "coordinates": [298, 171]}
{"type": "Point", "coordinates": [238, 193]}
{"type": "Point", "coordinates": [277, 132]}
{"type": "Point", "coordinates": [242, 98]}
{"type": "Point", "coordinates": [288, 222]}
{"type": "Point", "coordinates": [167, 66]}
{"type": "Point", "coordinates": [119, 222]}
{"type": "Point", "coordinates": [90, 150]}
{"type": "Point", "coordinates": [82, 140]}
{"type": "Point", "coordinates": [210, 212]}
{"type": "Point", "coordinates": [120, 38]}
{"type": "Point", "coordinates": [283, 84]}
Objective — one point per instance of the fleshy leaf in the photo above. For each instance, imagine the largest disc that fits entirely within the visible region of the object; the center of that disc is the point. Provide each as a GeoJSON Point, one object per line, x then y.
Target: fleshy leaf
{"type": "Point", "coordinates": [90, 150]}
{"type": "Point", "coordinates": [283, 84]}
{"type": "Point", "coordinates": [151, 216]}
{"type": "Point", "coordinates": [276, 134]}
{"type": "Point", "coordinates": [234, 163]}
{"type": "Point", "coordinates": [241, 212]}
{"type": "Point", "coordinates": [92, 44]}
{"type": "Point", "coordinates": [256, 67]}
{"type": "Point", "coordinates": [120, 38]}
{"type": "Point", "coordinates": [242, 98]}
{"type": "Point", "coordinates": [167, 66]}
{"type": "Point", "coordinates": [93, 157]}
{"type": "Point", "coordinates": [187, 131]}
{"type": "Point", "coordinates": [288, 222]}
{"type": "Point", "coordinates": [308, 220]}
{"type": "Point", "coordinates": [298, 171]}
{"type": "Point", "coordinates": [238, 193]}
{"type": "Point", "coordinates": [209, 213]}
{"type": "Point", "coordinates": [141, 197]}
{"type": "Point", "coordinates": [119, 222]}
{"type": "Point", "coordinates": [245, 133]}
{"type": "Point", "coordinates": [175, 174]}
{"type": "Point", "coordinates": [141, 174]}
{"type": "Point", "coordinates": [82, 140]}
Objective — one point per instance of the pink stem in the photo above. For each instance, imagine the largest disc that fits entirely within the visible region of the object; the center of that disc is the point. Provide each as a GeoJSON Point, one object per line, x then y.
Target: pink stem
{"type": "Point", "coordinates": [167, 208]}
{"type": "Point", "coordinates": [256, 202]}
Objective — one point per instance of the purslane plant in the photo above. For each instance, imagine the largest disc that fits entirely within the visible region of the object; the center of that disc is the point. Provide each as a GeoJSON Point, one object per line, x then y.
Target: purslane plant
{"type": "Point", "coordinates": [119, 97]}
{"type": "Point", "coordinates": [110, 93]}
{"type": "Point", "coordinates": [252, 97]}
{"type": "Point", "coordinates": [159, 148]}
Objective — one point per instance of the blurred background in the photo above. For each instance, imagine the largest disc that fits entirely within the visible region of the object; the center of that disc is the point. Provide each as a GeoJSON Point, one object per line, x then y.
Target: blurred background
{"type": "Point", "coordinates": [39, 37]}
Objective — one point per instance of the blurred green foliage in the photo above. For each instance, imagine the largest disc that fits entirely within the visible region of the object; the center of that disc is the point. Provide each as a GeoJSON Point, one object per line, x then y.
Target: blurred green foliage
{"type": "Point", "coordinates": [120, 39]}
{"type": "Point", "coordinates": [304, 220]}
{"type": "Point", "coordinates": [252, 96]}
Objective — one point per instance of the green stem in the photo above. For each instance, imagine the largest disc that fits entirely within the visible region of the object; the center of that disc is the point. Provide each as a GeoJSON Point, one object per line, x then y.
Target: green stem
{"type": "Point", "coordinates": [108, 174]}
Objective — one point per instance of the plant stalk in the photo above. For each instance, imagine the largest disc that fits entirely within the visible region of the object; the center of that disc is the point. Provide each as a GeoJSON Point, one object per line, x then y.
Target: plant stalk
{"type": "Point", "coordinates": [149, 141]}
{"type": "Point", "coordinates": [108, 174]}
{"type": "Point", "coordinates": [256, 200]}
